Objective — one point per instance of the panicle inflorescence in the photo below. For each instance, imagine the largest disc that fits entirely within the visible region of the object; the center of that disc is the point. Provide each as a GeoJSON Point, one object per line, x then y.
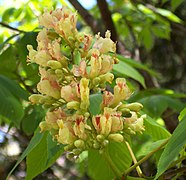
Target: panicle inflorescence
{"type": "Point", "coordinates": [68, 80]}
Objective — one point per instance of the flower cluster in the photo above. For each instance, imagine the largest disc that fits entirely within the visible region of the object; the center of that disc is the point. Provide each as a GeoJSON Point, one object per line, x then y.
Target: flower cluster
{"type": "Point", "coordinates": [73, 65]}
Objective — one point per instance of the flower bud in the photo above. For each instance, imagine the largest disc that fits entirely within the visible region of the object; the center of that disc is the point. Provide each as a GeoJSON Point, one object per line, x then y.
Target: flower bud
{"type": "Point", "coordinates": [96, 81]}
{"type": "Point", "coordinates": [125, 112]}
{"type": "Point", "coordinates": [69, 147]}
{"type": "Point", "coordinates": [76, 151]}
{"type": "Point", "coordinates": [132, 106]}
{"type": "Point", "coordinates": [54, 64]}
{"type": "Point", "coordinates": [96, 145]}
{"type": "Point", "coordinates": [44, 126]}
{"type": "Point", "coordinates": [108, 77]}
{"type": "Point", "coordinates": [35, 98]}
{"type": "Point", "coordinates": [116, 137]}
{"type": "Point", "coordinates": [73, 105]}
{"type": "Point", "coordinates": [105, 143]}
{"type": "Point", "coordinates": [70, 156]}
{"type": "Point", "coordinates": [79, 143]}
{"type": "Point", "coordinates": [100, 138]}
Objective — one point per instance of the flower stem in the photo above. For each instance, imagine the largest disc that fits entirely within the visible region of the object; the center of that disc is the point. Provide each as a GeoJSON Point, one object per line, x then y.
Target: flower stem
{"type": "Point", "coordinates": [138, 169]}
{"type": "Point", "coordinates": [111, 164]}
{"type": "Point", "coordinates": [145, 158]}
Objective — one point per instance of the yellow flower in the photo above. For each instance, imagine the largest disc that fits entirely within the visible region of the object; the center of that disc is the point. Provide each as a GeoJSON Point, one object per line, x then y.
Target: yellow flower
{"type": "Point", "coordinates": [117, 122]}
{"type": "Point", "coordinates": [79, 127]}
{"type": "Point", "coordinates": [105, 45]}
{"type": "Point", "coordinates": [103, 123]}
{"type": "Point", "coordinates": [65, 135]}
{"type": "Point", "coordinates": [63, 21]}
{"type": "Point", "coordinates": [84, 93]}
{"type": "Point", "coordinates": [71, 92]}
{"type": "Point", "coordinates": [134, 123]}
{"type": "Point", "coordinates": [48, 84]}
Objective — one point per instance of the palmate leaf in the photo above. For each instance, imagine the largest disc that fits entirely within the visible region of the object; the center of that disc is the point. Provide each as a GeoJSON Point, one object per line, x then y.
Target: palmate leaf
{"type": "Point", "coordinates": [173, 147]}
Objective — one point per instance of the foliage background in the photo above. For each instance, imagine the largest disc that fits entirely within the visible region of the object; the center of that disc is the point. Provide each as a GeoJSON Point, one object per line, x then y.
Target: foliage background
{"type": "Point", "coordinates": [151, 42]}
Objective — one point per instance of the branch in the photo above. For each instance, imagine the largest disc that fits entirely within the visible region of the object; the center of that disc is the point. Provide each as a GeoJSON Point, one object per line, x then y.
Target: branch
{"type": "Point", "coordinates": [107, 18]}
{"type": "Point", "coordinates": [88, 18]}
{"type": "Point", "coordinates": [12, 28]}
{"type": "Point", "coordinates": [174, 172]}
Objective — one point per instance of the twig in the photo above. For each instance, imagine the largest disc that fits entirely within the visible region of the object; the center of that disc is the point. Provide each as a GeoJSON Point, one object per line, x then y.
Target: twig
{"type": "Point", "coordinates": [169, 174]}
{"type": "Point", "coordinates": [12, 28]}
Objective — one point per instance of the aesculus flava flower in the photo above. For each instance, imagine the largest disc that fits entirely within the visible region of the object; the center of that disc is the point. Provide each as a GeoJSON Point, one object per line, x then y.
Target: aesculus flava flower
{"type": "Point", "coordinates": [69, 78]}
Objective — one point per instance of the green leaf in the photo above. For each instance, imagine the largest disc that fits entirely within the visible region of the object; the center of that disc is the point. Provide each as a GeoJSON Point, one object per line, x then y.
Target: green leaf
{"type": "Point", "coordinates": [123, 69]}
{"type": "Point", "coordinates": [13, 87]}
{"type": "Point", "coordinates": [95, 101]}
{"type": "Point", "coordinates": [7, 14]}
{"type": "Point", "coordinates": [8, 62]}
{"type": "Point", "coordinates": [99, 169]}
{"type": "Point", "coordinates": [33, 143]}
{"type": "Point", "coordinates": [161, 30]}
{"type": "Point", "coordinates": [182, 114]}
{"type": "Point", "coordinates": [169, 15]}
{"type": "Point", "coordinates": [45, 154]}
{"type": "Point", "coordinates": [173, 147]}
{"type": "Point", "coordinates": [33, 115]}
{"type": "Point", "coordinates": [176, 3]}
{"type": "Point", "coordinates": [149, 147]}
{"type": "Point", "coordinates": [154, 105]}
{"type": "Point", "coordinates": [36, 159]}
{"type": "Point", "coordinates": [5, 42]}
{"type": "Point", "coordinates": [54, 150]}
{"type": "Point", "coordinates": [149, 92]}
{"type": "Point", "coordinates": [147, 38]}
{"type": "Point", "coordinates": [10, 107]}
{"type": "Point", "coordinates": [156, 131]}
{"type": "Point", "coordinates": [138, 65]}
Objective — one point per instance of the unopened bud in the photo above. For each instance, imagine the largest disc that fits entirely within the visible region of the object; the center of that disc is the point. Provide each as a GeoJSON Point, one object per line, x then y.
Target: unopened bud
{"type": "Point", "coordinates": [59, 72]}
{"type": "Point", "coordinates": [116, 137]}
{"type": "Point", "coordinates": [105, 142]}
{"type": "Point", "coordinates": [73, 105]}
{"type": "Point", "coordinates": [101, 151]}
{"type": "Point", "coordinates": [108, 77]}
{"type": "Point", "coordinates": [125, 112]}
{"type": "Point", "coordinates": [69, 147]}
{"type": "Point", "coordinates": [76, 151]}
{"type": "Point", "coordinates": [87, 114]}
{"type": "Point", "coordinates": [70, 156]}
{"type": "Point", "coordinates": [96, 145]}
{"type": "Point", "coordinates": [79, 143]}
{"type": "Point", "coordinates": [132, 106]}
{"type": "Point", "coordinates": [54, 64]}
{"type": "Point", "coordinates": [100, 138]}
{"type": "Point", "coordinates": [43, 126]}
{"type": "Point", "coordinates": [35, 98]}
{"type": "Point", "coordinates": [96, 81]}
{"type": "Point", "coordinates": [70, 38]}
